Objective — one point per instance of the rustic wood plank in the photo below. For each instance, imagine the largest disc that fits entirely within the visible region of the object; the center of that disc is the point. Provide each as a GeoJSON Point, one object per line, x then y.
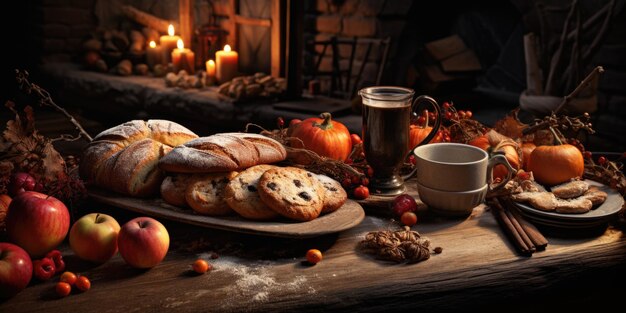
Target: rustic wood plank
{"type": "Point", "coordinates": [446, 47]}
{"type": "Point", "coordinates": [185, 18]}
{"type": "Point", "coordinates": [276, 36]}
{"type": "Point", "coordinates": [346, 217]}
{"type": "Point", "coordinates": [534, 77]}
{"type": "Point", "coordinates": [147, 19]}
{"type": "Point", "coordinates": [294, 44]}
{"type": "Point", "coordinates": [476, 266]}
{"type": "Point", "coordinates": [233, 32]}
{"type": "Point", "coordinates": [461, 62]}
{"type": "Point", "coordinates": [253, 21]}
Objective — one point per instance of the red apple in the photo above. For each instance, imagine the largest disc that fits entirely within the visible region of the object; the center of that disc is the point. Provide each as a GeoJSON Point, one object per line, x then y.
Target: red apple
{"type": "Point", "coordinates": [143, 242]}
{"type": "Point", "coordinates": [21, 182]}
{"type": "Point", "coordinates": [37, 222]}
{"type": "Point", "coordinates": [93, 237]}
{"type": "Point", "coordinates": [16, 269]}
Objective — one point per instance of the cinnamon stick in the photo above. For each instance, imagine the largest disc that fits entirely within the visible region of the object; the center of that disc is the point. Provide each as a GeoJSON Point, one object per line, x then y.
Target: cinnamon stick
{"type": "Point", "coordinates": [518, 227]}
{"type": "Point", "coordinates": [533, 233]}
{"type": "Point", "coordinates": [509, 228]}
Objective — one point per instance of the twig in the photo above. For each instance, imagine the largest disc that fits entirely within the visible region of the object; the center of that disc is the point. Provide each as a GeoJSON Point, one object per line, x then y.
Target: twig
{"type": "Point", "coordinates": [46, 99]}
{"type": "Point", "coordinates": [596, 71]}
{"type": "Point", "coordinates": [66, 137]}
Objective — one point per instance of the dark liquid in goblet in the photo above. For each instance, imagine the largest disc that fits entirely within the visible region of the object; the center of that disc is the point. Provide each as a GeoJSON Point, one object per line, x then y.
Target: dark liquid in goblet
{"type": "Point", "coordinates": [385, 138]}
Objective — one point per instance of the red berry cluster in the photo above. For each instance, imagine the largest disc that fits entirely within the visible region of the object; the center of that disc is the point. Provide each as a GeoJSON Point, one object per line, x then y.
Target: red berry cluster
{"type": "Point", "coordinates": [451, 114]}
{"type": "Point", "coordinates": [69, 280]}
{"type": "Point", "coordinates": [356, 186]}
{"type": "Point", "coordinates": [48, 266]}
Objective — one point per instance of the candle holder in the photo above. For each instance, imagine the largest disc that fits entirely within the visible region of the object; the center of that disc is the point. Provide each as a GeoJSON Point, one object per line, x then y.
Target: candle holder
{"type": "Point", "coordinates": [209, 39]}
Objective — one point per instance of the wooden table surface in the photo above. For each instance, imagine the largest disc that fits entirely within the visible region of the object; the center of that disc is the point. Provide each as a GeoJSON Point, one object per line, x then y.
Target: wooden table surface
{"type": "Point", "coordinates": [478, 268]}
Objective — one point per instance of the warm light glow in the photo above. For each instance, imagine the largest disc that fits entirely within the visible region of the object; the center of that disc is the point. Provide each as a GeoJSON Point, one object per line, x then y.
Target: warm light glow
{"type": "Point", "coordinates": [227, 48]}
{"type": "Point", "coordinates": [152, 44]}
{"type": "Point", "coordinates": [170, 30]}
{"type": "Point", "coordinates": [180, 44]}
{"type": "Point", "coordinates": [211, 63]}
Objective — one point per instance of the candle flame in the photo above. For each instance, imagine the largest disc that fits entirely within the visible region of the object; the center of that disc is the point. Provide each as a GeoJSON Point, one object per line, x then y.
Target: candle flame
{"type": "Point", "coordinates": [227, 48]}
{"type": "Point", "coordinates": [152, 44]}
{"type": "Point", "coordinates": [180, 44]}
{"type": "Point", "coordinates": [211, 63]}
{"type": "Point", "coordinates": [170, 30]}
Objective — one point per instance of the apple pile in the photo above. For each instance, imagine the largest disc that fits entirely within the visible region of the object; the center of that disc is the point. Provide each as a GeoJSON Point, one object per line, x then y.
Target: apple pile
{"type": "Point", "coordinates": [37, 223]}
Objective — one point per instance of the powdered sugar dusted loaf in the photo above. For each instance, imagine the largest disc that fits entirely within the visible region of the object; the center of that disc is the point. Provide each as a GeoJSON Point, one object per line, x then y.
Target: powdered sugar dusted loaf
{"type": "Point", "coordinates": [222, 153]}
{"type": "Point", "coordinates": [124, 158]}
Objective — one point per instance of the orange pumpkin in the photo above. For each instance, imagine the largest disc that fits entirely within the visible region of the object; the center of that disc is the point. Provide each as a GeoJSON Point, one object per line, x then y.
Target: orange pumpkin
{"type": "Point", "coordinates": [494, 142]}
{"type": "Point", "coordinates": [417, 134]}
{"type": "Point", "coordinates": [527, 149]}
{"type": "Point", "coordinates": [323, 136]}
{"type": "Point", "coordinates": [553, 165]}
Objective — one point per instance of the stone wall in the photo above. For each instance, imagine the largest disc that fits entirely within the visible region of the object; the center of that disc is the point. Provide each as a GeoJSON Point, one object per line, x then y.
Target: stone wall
{"type": "Point", "coordinates": [348, 18]}
{"type": "Point", "coordinates": [59, 26]}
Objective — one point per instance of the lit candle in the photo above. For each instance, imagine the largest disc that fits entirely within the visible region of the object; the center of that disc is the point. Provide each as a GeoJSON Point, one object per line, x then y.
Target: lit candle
{"type": "Point", "coordinates": [226, 64]}
{"type": "Point", "coordinates": [183, 59]}
{"type": "Point", "coordinates": [154, 54]}
{"type": "Point", "coordinates": [168, 44]}
{"type": "Point", "coordinates": [210, 72]}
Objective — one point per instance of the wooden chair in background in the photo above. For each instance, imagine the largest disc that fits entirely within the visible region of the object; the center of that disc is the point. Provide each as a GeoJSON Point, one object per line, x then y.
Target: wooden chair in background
{"type": "Point", "coordinates": [343, 83]}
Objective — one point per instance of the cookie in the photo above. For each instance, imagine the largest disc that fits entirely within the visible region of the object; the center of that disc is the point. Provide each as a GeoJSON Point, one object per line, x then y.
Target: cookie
{"type": "Point", "coordinates": [205, 193]}
{"type": "Point", "coordinates": [292, 192]}
{"type": "Point", "coordinates": [573, 206]}
{"type": "Point", "coordinates": [571, 189]}
{"type": "Point", "coordinates": [595, 195]}
{"type": "Point", "coordinates": [541, 200]}
{"type": "Point", "coordinates": [334, 194]}
{"type": "Point", "coordinates": [242, 195]}
{"type": "Point", "coordinates": [173, 190]}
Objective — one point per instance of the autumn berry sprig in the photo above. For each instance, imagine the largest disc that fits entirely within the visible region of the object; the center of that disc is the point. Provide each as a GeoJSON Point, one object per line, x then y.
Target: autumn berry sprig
{"type": "Point", "coordinates": [605, 171]}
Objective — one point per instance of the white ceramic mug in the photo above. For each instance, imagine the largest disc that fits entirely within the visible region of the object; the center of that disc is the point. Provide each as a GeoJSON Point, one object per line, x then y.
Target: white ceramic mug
{"type": "Point", "coordinates": [457, 167]}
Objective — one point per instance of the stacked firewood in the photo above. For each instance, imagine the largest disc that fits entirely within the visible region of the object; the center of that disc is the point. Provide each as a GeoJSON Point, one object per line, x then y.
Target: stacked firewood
{"type": "Point", "coordinates": [259, 85]}
{"type": "Point", "coordinates": [117, 52]}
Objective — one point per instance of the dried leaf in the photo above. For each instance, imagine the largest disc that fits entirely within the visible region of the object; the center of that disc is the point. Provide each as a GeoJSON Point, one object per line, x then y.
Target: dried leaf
{"type": "Point", "coordinates": [53, 163]}
{"type": "Point", "coordinates": [511, 126]}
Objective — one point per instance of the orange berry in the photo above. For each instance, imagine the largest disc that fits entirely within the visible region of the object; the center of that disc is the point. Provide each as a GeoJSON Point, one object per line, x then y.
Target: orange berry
{"type": "Point", "coordinates": [314, 256]}
{"type": "Point", "coordinates": [200, 266]}
{"type": "Point", "coordinates": [83, 283]}
{"type": "Point", "coordinates": [408, 218]}
{"type": "Point", "coordinates": [63, 289]}
{"type": "Point", "coordinates": [68, 277]}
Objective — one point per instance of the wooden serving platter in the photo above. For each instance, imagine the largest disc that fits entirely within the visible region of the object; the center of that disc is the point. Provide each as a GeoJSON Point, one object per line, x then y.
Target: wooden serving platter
{"type": "Point", "coordinates": [346, 217]}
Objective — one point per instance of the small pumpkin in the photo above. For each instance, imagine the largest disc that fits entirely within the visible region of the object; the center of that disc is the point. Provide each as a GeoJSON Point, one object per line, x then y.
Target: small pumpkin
{"type": "Point", "coordinates": [553, 165]}
{"type": "Point", "coordinates": [527, 149]}
{"type": "Point", "coordinates": [494, 142]}
{"type": "Point", "coordinates": [323, 136]}
{"type": "Point", "coordinates": [417, 134]}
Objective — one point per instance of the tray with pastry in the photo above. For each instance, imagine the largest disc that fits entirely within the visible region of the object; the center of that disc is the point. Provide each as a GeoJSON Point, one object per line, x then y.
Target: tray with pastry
{"type": "Point", "coordinates": [226, 181]}
{"type": "Point", "coordinates": [573, 204]}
